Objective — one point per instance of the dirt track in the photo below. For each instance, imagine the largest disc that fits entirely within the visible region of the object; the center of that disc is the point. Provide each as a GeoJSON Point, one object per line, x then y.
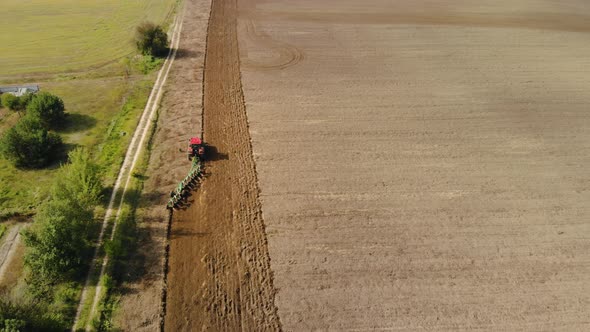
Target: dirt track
{"type": "Point", "coordinates": [219, 269]}
{"type": "Point", "coordinates": [8, 250]}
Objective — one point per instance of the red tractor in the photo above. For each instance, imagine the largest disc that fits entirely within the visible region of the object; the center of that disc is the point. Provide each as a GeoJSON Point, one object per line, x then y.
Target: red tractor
{"type": "Point", "coordinates": [196, 148]}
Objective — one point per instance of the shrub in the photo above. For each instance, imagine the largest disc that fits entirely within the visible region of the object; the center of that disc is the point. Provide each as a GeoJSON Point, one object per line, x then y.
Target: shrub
{"type": "Point", "coordinates": [57, 246]}
{"type": "Point", "coordinates": [24, 100]}
{"type": "Point", "coordinates": [79, 181]}
{"type": "Point", "coordinates": [15, 103]}
{"type": "Point", "coordinates": [49, 109]}
{"type": "Point", "coordinates": [10, 101]}
{"type": "Point", "coordinates": [29, 144]}
{"type": "Point", "coordinates": [26, 317]}
{"type": "Point", "coordinates": [147, 63]}
{"type": "Point", "coordinates": [151, 39]}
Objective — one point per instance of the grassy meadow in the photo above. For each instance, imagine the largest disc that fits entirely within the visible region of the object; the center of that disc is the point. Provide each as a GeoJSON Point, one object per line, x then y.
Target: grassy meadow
{"type": "Point", "coordinates": [81, 51]}
{"type": "Point", "coordinates": [50, 36]}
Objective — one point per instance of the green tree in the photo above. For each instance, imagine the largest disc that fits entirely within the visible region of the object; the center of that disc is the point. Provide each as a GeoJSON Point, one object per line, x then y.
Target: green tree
{"type": "Point", "coordinates": [48, 108]}
{"type": "Point", "coordinates": [151, 39]}
{"type": "Point", "coordinates": [79, 181]}
{"type": "Point", "coordinates": [15, 103]}
{"type": "Point", "coordinates": [29, 144]}
{"type": "Point", "coordinates": [26, 317]}
{"type": "Point", "coordinates": [59, 242]}
{"type": "Point", "coordinates": [10, 101]}
{"type": "Point", "coordinates": [24, 100]}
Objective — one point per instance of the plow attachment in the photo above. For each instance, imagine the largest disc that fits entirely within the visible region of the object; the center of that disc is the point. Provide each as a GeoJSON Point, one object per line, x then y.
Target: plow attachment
{"type": "Point", "coordinates": [178, 195]}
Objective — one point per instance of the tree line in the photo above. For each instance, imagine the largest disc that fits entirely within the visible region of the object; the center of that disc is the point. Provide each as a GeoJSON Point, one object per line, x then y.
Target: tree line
{"type": "Point", "coordinates": [59, 248]}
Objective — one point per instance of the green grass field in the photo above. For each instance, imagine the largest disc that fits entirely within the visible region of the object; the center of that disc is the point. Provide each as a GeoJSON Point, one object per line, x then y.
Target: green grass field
{"type": "Point", "coordinates": [49, 36]}
{"type": "Point", "coordinates": [94, 106]}
{"type": "Point", "coordinates": [83, 52]}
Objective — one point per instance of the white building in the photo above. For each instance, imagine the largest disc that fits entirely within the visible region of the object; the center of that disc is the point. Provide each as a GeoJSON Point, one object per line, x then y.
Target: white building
{"type": "Point", "coordinates": [19, 90]}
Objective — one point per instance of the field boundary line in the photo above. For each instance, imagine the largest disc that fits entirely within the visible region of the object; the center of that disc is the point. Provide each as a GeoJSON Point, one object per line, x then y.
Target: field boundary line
{"type": "Point", "coordinates": [131, 156]}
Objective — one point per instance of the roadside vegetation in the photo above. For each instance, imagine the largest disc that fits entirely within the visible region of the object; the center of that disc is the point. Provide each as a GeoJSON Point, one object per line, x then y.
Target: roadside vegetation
{"type": "Point", "coordinates": [58, 246]}
{"type": "Point", "coordinates": [60, 149]}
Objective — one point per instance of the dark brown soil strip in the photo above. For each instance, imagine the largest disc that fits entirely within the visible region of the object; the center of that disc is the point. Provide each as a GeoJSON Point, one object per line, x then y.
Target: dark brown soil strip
{"type": "Point", "coordinates": [219, 275]}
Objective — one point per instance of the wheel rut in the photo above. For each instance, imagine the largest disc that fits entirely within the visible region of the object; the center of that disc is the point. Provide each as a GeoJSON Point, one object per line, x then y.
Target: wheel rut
{"type": "Point", "coordinates": [219, 275]}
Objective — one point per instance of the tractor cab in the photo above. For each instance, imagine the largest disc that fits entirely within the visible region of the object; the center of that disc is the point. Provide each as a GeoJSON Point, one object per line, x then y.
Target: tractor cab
{"type": "Point", "coordinates": [196, 148]}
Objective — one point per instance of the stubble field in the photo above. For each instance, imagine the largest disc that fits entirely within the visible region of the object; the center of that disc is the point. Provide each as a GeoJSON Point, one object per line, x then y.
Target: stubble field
{"type": "Point", "coordinates": [424, 165]}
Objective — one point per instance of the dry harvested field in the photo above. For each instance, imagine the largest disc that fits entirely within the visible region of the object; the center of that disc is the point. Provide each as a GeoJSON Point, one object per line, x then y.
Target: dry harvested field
{"type": "Point", "coordinates": [416, 165]}
{"type": "Point", "coordinates": [423, 164]}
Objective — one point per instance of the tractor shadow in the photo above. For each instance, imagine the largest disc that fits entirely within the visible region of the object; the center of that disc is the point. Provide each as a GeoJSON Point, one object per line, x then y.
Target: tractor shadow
{"type": "Point", "coordinates": [186, 53]}
{"type": "Point", "coordinates": [213, 154]}
{"type": "Point", "coordinates": [181, 233]}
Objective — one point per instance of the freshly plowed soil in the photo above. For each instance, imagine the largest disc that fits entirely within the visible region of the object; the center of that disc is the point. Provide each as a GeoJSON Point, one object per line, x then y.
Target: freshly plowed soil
{"type": "Point", "coordinates": [423, 165]}
{"type": "Point", "coordinates": [219, 269]}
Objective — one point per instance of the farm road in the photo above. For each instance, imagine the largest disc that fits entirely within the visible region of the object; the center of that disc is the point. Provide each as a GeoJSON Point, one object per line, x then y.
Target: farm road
{"type": "Point", "coordinates": [8, 248]}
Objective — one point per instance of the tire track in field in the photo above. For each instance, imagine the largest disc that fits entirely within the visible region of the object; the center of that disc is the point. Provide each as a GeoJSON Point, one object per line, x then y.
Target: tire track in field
{"type": "Point", "coordinates": [288, 55]}
{"type": "Point", "coordinates": [219, 275]}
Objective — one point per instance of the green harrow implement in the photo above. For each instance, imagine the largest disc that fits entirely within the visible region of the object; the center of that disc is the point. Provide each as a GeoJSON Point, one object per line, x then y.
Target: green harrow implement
{"type": "Point", "coordinates": [185, 186]}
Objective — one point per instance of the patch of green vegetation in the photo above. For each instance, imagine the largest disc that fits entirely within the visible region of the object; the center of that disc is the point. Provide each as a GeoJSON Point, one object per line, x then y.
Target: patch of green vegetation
{"type": "Point", "coordinates": [102, 114]}
{"type": "Point", "coordinates": [119, 133]}
{"type": "Point", "coordinates": [3, 229]}
{"type": "Point", "coordinates": [58, 248]}
{"type": "Point", "coordinates": [26, 316]}
{"type": "Point", "coordinates": [146, 63]}
{"type": "Point", "coordinates": [60, 241]}
{"type": "Point", "coordinates": [65, 36]}
{"type": "Point", "coordinates": [29, 144]}
{"type": "Point", "coordinates": [119, 249]}
{"type": "Point", "coordinates": [91, 105]}
{"type": "Point", "coordinates": [124, 244]}
{"type": "Point", "coordinates": [22, 190]}
{"type": "Point", "coordinates": [151, 39]}
{"type": "Point", "coordinates": [109, 155]}
{"type": "Point", "coordinates": [104, 320]}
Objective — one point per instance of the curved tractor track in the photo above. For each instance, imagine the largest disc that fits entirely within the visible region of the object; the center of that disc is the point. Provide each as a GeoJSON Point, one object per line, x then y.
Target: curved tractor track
{"type": "Point", "coordinates": [219, 275]}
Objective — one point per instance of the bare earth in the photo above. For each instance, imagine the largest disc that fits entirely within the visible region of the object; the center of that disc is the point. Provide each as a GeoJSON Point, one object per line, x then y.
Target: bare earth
{"type": "Point", "coordinates": [219, 269]}
{"type": "Point", "coordinates": [422, 164]}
